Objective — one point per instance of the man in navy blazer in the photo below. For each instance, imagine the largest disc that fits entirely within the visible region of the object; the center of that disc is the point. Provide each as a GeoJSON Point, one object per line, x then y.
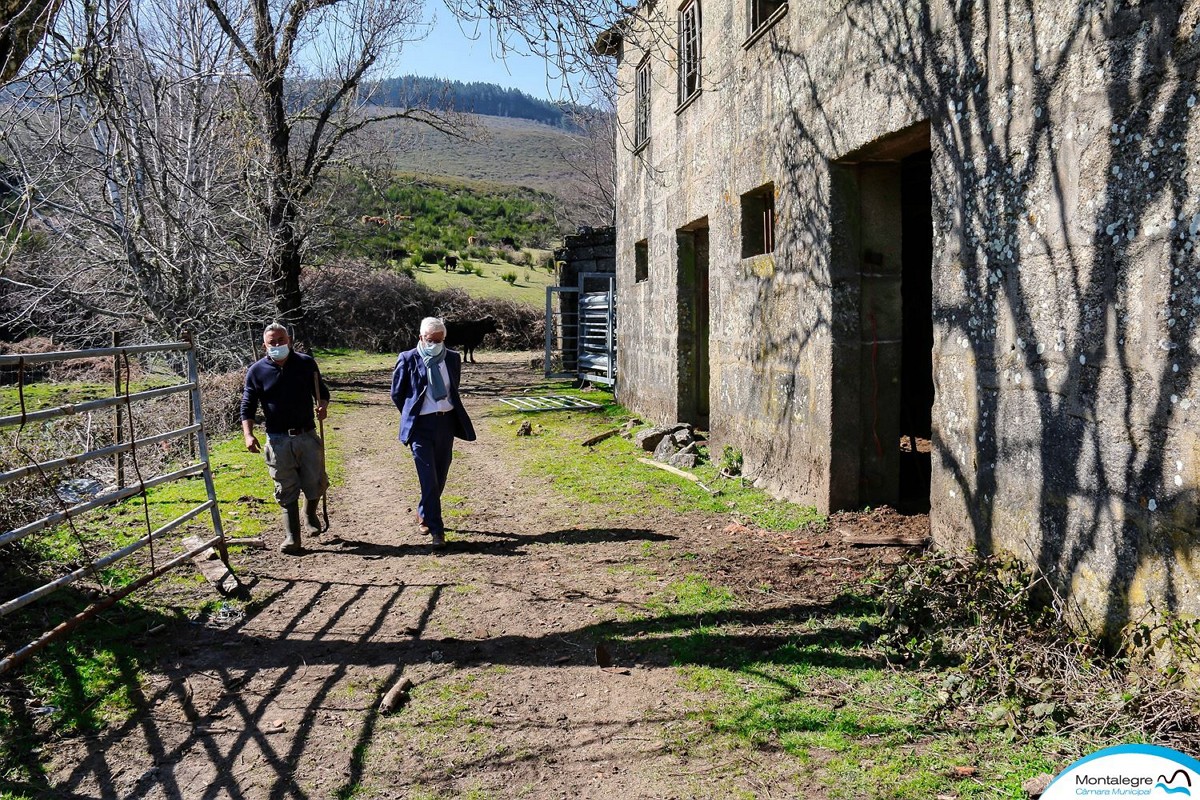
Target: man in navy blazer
{"type": "Point", "coordinates": [425, 389]}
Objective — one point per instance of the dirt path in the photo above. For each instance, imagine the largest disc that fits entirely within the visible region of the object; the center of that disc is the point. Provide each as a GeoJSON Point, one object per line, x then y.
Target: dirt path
{"type": "Point", "coordinates": [498, 635]}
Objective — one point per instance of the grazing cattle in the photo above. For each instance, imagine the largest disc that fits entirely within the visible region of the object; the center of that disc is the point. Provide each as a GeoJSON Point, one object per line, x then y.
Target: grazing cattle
{"type": "Point", "coordinates": [471, 241]}
{"type": "Point", "coordinates": [382, 222]}
{"type": "Point", "coordinates": [468, 334]}
{"type": "Point", "coordinates": [450, 263]}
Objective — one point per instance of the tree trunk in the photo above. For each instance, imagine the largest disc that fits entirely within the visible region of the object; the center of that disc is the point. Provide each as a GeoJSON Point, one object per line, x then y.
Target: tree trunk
{"type": "Point", "coordinates": [23, 23]}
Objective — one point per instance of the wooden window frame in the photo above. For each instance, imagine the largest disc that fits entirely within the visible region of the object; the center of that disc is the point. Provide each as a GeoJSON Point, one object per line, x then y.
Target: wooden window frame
{"type": "Point", "coordinates": [690, 52]}
{"type": "Point", "coordinates": [641, 105]}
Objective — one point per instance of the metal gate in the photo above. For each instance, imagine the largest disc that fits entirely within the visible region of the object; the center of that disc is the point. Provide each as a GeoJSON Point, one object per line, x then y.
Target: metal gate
{"type": "Point", "coordinates": [121, 402]}
{"type": "Point", "coordinates": [581, 330]}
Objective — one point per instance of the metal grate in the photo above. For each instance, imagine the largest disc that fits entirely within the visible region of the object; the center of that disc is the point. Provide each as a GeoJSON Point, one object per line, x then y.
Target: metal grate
{"type": "Point", "coordinates": [551, 402]}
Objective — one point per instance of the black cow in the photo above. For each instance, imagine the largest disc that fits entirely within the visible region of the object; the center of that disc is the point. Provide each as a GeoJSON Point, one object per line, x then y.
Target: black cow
{"type": "Point", "coordinates": [468, 334]}
{"type": "Point", "coordinates": [451, 263]}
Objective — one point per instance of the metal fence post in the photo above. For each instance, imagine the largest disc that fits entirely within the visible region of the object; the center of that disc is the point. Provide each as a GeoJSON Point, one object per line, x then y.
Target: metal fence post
{"type": "Point", "coordinates": [119, 412]}
{"type": "Point", "coordinates": [201, 441]}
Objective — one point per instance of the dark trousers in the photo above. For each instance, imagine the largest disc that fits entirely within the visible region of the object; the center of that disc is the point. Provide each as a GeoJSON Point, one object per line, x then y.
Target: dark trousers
{"type": "Point", "coordinates": [432, 446]}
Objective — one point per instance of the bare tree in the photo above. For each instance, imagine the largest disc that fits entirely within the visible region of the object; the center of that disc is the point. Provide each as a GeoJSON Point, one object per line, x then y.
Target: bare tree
{"type": "Point", "coordinates": [126, 159]}
{"type": "Point", "coordinates": [310, 64]}
{"type": "Point", "coordinates": [591, 155]}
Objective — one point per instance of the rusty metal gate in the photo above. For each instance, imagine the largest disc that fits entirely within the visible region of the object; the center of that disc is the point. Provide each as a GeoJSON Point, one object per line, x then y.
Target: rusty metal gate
{"type": "Point", "coordinates": [581, 329]}
{"type": "Point", "coordinates": [121, 403]}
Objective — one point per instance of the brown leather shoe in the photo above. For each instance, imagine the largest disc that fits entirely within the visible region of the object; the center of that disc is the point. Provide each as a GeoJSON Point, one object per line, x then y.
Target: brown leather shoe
{"type": "Point", "coordinates": [439, 541]}
{"type": "Point", "coordinates": [421, 525]}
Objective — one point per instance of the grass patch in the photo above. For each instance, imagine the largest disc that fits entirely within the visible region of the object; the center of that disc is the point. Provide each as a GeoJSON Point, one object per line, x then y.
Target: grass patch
{"type": "Point", "coordinates": [609, 474]}
{"type": "Point", "coordinates": [93, 678]}
{"type": "Point", "coordinates": [820, 690]}
{"type": "Point", "coordinates": [339, 363]}
{"type": "Point", "coordinates": [528, 286]}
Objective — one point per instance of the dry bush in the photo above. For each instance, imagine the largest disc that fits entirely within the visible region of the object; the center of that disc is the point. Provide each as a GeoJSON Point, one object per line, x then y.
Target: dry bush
{"type": "Point", "coordinates": [521, 327]}
{"type": "Point", "coordinates": [221, 401]}
{"type": "Point", "coordinates": [1003, 642]}
{"type": "Point", "coordinates": [356, 307]}
{"type": "Point", "coordinates": [381, 311]}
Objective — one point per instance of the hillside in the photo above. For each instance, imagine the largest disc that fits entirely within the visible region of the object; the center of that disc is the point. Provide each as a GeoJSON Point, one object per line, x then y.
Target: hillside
{"type": "Point", "coordinates": [511, 152]}
{"type": "Point", "coordinates": [472, 98]}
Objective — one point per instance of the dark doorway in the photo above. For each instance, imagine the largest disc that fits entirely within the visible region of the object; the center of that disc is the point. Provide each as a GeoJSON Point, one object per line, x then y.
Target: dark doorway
{"type": "Point", "coordinates": [916, 358]}
{"type": "Point", "coordinates": [692, 243]}
{"type": "Point", "coordinates": [882, 270]}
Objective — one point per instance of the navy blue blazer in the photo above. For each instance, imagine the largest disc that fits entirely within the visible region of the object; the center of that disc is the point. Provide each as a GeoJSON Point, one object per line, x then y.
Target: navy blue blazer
{"type": "Point", "coordinates": [409, 384]}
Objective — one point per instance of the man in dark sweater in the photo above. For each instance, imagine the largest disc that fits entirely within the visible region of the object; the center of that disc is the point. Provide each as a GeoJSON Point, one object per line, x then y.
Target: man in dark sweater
{"type": "Point", "coordinates": [286, 385]}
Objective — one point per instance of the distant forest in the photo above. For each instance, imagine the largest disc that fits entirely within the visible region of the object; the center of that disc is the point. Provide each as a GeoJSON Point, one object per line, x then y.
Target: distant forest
{"type": "Point", "coordinates": [472, 98]}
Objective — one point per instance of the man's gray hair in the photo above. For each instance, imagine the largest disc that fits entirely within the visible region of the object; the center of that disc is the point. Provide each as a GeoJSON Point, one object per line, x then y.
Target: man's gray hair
{"type": "Point", "coordinates": [275, 326]}
{"type": "Point", "coordinates": [432, 325]}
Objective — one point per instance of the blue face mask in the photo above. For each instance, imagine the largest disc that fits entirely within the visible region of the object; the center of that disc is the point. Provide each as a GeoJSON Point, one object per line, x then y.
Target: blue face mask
{"type": "Point", "coordinates": [430, 348]}
{"type": "Point", "coordinates": [278, 353]}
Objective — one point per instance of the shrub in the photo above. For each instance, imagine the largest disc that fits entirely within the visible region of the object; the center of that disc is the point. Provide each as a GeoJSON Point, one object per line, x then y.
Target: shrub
{"type": "Point", "coordinates": [519, 258]}
{"type": "Point", "coordinates": [478, 270]}
{"type": "Point", "coordinates": [509, 277]}
{"type": "Point", "coordinates": [352, 305]}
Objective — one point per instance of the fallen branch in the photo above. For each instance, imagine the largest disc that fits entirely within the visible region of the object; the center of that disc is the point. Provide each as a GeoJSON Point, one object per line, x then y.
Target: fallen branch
{"type": "Point", "coordinates": [396, 696]}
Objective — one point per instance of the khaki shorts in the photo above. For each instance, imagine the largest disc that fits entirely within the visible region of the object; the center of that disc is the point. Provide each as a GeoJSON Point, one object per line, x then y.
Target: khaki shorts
{"type": "Point", "coordinates": [296, 464]}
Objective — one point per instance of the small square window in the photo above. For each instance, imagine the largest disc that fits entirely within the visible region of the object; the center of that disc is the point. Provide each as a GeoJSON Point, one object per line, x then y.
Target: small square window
{"type": "Point", "coordinates": [758, 221]}
{"type": "Point", "coordinates": [689, 51]}
{"type": "Point", "coordinates": [641, 105]}
{"type": "Point", "coordinates": [641, 261]}
{"type": "Point", "coordinates": [763, 12]}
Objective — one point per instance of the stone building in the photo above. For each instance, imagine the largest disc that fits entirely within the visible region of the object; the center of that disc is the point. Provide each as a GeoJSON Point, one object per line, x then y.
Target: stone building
{"type": "Point", "coordinates": [935, 255]}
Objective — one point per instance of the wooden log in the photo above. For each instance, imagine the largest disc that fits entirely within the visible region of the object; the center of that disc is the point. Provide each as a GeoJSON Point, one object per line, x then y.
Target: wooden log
{"type": "Point", "coordinates": [670, 469]}
{"type": "Point", "coordinates": [396, 696]}
{"type": "Point", "coordinates": [600, 437]}
{"type": "Point", "coordinates": [247, 541]}
{"type": "Point", "coordinates": [886, 540]}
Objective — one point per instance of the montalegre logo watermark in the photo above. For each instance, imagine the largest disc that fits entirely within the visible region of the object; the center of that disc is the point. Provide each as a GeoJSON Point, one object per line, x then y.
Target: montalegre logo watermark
{"type": "Point", "coordinates": [1130, 770]}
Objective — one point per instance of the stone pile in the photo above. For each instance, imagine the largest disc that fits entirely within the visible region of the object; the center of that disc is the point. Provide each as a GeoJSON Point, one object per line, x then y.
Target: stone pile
{"type": "Point", "coordinates": [676, 444]}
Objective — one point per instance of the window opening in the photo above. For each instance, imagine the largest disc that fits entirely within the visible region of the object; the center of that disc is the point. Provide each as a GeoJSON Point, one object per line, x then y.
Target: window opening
{"type": "Point", "coordinates": [758, 221]}
{"type": "Point", "coordinates": [689, 51]}
{"type": "Point", "coordinates": [641, 114]}
{"type": "Point", "coordinates": [641, 261]}
{"type": "Point", "coordinates": [763, 12]}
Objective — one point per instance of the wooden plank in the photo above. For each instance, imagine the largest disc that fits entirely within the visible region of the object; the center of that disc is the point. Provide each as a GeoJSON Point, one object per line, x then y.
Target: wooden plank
{"type": "Point", "coordinates": [211, 566]}
{"type": "Point", "coordinates": [600, 437]}
{"type": "Point", "coordinates": [670, 469]}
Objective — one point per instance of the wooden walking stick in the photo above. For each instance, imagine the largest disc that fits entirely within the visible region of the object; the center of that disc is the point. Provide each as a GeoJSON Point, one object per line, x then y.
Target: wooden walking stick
{"type": "Point", "coordinates": [321, 433]}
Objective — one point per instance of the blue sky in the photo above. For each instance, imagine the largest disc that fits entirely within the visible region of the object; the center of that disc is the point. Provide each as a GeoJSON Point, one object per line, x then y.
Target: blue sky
{"type": "Point", "coordinates": [449, 53]}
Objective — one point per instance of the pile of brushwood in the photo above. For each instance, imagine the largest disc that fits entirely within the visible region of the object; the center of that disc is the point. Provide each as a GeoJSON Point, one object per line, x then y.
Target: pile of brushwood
{"type": "Point", "coordinates": [1010, 653]}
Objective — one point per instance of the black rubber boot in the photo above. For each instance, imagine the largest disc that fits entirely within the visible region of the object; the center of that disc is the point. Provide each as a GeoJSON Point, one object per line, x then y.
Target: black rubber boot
{"type": "Point", "coordinates": [312, 522]}
{"type": "Point", "coordinates": [291, 530]}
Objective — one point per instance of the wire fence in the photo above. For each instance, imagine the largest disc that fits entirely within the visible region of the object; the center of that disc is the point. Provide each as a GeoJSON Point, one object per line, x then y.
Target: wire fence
{"type": "Point", "coordinates": [83, 433]}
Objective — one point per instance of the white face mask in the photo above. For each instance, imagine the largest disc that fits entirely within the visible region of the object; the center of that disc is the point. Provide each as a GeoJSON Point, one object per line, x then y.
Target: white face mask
{"type": "Point", "coordinates": [431, 348]}
{"type": "Point", "coordinates": [278, 353]}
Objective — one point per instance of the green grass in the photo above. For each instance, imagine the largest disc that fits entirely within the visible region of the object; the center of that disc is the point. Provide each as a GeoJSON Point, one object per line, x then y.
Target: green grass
{"type": "Point", "coordinates": [340, 363]}
{"type": "Point", "coordinates": [819, 690]}
{"type": "Point", "coordinates": [610, 474]}
{"type": "Point", "coordinates": [93, 678]}
{"type": "Point", "coordinates": [529, 288]}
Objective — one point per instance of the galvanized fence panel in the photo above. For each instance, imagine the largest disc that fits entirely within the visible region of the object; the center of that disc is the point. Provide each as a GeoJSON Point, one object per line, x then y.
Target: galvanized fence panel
{"type": "Point", "coordinates": [581, 329]}
{"type": "Point", "coordinates": [122, 403]}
